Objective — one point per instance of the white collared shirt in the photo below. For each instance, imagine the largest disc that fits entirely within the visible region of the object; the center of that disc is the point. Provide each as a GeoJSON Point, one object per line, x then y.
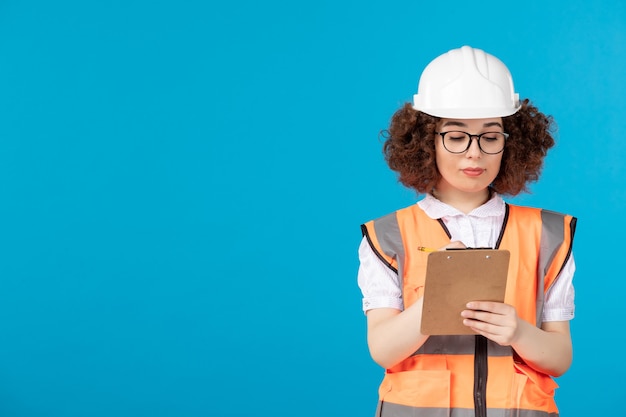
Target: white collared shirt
{"type": "Point", "coordinates": [381, 287]}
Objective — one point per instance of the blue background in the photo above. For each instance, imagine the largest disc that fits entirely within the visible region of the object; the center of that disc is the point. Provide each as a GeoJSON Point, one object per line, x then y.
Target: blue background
{"type": "Point", "coordinates": [182, 185]}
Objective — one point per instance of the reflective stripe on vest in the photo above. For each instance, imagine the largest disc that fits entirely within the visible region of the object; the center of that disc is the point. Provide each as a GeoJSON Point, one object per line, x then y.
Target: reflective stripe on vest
{"type": "Point", "coordinates": [397, 410]}
{"type": "Point", "coordinates": [441, 374]}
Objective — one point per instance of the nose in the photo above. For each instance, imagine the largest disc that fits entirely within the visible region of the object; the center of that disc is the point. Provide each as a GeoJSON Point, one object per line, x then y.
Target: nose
{"type": "Point", "coordinates": [474, 150]}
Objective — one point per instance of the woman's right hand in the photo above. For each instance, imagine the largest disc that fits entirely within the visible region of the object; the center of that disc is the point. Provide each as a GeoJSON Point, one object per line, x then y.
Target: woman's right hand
{"type": "Point", "coordinates": [457, 244]}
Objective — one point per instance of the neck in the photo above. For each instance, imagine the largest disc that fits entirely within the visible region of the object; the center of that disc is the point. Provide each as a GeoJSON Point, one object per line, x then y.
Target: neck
{"type": "Point", "coordinates": [462, 201]}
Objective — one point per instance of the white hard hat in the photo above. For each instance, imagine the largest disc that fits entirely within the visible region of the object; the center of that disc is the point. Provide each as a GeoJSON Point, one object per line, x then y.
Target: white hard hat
{"type": "Point", "coordinates": [466, 83]}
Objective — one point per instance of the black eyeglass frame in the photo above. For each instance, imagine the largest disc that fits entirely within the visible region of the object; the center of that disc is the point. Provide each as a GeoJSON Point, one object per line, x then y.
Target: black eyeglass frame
{"type": "Point", "coordinates": [443, 140]}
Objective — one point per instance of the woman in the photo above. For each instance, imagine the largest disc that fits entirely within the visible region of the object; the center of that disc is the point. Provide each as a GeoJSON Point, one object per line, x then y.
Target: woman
{"type": "Point", "coordinates": [465, 141]}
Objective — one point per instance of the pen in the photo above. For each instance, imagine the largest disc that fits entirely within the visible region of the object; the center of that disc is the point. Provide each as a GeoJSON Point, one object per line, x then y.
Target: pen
{"type": "Point", "coordinates": [425, 249]}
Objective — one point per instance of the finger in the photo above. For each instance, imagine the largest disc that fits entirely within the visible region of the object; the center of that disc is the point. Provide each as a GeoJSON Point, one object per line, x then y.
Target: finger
{"type": "Point", "coordinates": [454, 245]}
{"type": "Point", "coordinates": [486, 329]}
{"type": "Point", "coordinates": [497, 320]}
{"type": "Point", "coordinates": [490, 306]}
{"type": "Point", "coordinates": [478, 315]}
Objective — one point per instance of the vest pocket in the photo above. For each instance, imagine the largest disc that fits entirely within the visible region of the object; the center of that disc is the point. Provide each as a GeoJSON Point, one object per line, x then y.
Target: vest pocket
{"type": "Point", "coordinates": [518, 384]}
{"type": "Point", "coordinates": [542, 381]}
{"type": "Point", "coordinates": [531, 386]}
{"type": "Point", "coordinates": [417, 388]}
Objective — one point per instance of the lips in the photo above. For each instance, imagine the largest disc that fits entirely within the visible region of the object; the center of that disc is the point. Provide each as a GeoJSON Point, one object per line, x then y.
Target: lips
{"type": "Point", "coordinates": [473, 172]}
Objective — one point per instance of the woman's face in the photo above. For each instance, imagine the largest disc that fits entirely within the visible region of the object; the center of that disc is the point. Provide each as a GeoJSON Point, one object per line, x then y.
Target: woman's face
{"type": "Point", "coordinates": [473, 170]}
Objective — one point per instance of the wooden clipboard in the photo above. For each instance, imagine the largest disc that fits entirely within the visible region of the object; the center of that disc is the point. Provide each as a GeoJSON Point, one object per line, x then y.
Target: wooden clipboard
{"type": "Point", "coordinates": [455, 277]}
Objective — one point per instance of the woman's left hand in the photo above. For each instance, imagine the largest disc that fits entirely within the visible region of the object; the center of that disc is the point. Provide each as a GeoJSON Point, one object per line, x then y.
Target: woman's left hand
{"type": "Point", "coordinates": [496, 321]}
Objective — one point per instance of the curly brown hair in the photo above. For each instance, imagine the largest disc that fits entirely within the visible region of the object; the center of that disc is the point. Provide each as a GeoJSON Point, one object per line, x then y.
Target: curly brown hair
{"type": "Point", "coordinates": [409, 148]}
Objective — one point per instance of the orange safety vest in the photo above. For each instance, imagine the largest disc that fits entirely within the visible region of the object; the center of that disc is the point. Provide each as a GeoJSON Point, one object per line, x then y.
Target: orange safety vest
{"type": "Point", "coordinates": [447, 376]}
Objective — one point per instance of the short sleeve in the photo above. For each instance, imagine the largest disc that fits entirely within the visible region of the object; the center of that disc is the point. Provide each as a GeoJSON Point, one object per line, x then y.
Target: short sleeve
{"type": "Point", "coordinates": [379, 285]}
{"type": "Point", "coordinates": [559, 301]}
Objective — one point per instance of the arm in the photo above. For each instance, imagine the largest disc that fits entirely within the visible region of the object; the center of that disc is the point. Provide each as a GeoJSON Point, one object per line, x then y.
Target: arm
{"type": "Point", "coordinates": [393, 335]}
{"type": "Point", "coordinates": [547, 349]}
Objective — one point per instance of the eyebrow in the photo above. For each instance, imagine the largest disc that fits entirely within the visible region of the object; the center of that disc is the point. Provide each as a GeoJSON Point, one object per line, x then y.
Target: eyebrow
{"type": "Point", "coordinates": [461, 124]}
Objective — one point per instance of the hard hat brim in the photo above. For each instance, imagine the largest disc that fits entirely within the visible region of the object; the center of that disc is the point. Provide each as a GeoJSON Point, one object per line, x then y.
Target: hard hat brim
{"type": "Point", "coordinates": [469, 113]}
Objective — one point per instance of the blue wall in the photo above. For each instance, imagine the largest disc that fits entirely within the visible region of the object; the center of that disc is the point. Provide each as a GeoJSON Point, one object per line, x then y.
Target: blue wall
{"type": "Point", "coordinates": [182, 184]}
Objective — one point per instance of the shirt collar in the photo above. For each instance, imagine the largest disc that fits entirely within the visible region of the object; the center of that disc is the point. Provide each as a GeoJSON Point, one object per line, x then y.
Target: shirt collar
{"type": "Point", "coordinates": [435, 209]}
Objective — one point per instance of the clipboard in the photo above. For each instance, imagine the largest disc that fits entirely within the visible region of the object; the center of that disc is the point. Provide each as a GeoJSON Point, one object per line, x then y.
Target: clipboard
{"type": "Point", "coordinates": [456, 277]}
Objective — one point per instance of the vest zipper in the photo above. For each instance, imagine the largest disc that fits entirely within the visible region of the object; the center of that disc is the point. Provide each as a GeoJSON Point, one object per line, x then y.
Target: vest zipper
{"type": "Point", "coordinates": [480, 376]}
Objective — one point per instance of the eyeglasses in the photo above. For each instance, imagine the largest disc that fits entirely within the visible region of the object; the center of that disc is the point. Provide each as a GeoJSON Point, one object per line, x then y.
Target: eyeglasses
{"type": "Point", "coordinates": [490, 143]}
